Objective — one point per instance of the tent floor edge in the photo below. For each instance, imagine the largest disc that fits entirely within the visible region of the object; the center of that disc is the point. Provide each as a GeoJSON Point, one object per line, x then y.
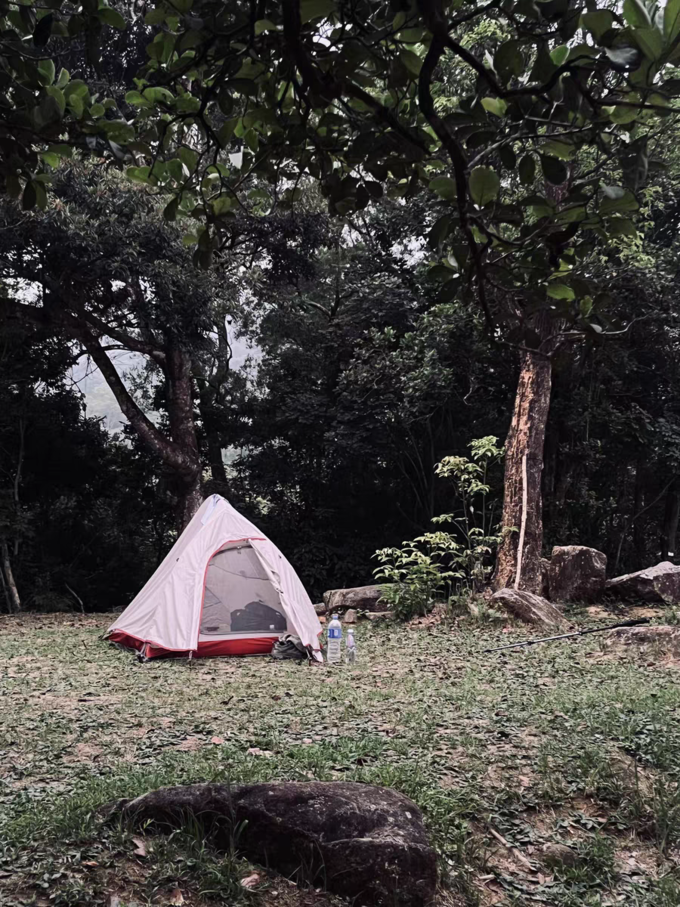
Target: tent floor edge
{"type": "Point", "coordinates": [206, 649]}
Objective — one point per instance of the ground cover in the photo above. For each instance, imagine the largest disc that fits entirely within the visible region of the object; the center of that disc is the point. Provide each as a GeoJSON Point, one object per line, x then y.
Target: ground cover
{"type": "Point", "coordinates": [511, 757]}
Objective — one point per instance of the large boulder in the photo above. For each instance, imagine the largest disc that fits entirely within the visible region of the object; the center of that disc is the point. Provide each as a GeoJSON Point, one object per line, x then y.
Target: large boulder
{"type": "Point", "coordinates": [363, 842]}
{"type": "Point", "coordinates": [659, 585]}
{"type": "Point", "coordinates": [362, 598]}
{"type": "Point", "coordinates": [529, 608]}
{"type": "Point", "coordinates": [657, 641]}
{"type": "Point", "coordinates": [576, 573]}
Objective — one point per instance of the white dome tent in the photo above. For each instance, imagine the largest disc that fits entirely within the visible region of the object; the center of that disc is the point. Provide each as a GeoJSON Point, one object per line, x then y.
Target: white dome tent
{"type": "Point", "coordinates": [223, 589]}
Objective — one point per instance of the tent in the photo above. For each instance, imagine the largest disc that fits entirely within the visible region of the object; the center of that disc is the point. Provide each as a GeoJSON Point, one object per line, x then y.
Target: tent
{"type": "Point", "coordinates": [224, 589]}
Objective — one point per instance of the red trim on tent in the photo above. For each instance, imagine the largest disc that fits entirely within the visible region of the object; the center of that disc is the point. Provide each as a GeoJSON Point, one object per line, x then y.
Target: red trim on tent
{"type": "Point", "coordinates": [206, 649]}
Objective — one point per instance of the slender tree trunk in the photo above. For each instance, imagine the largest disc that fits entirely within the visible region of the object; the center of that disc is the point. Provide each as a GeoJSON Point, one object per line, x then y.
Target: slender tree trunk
{"type": "Point", "coordinates": [638, 508]}
{"type": "Point", "coordinates": [671, 518]}
{"type": "Point", "coordinates": [13, 593]}
{"type": "Point", "coordinates": [522, 521]}
{"type": "Point", "coordinates": [217, 470]}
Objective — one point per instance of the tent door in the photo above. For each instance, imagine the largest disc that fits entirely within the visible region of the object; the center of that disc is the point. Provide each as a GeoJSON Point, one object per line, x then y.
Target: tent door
{"type": "Point", "coordinates": [239, 600]}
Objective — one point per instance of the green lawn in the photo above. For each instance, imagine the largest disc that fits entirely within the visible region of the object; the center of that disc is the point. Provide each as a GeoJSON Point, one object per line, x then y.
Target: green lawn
{"type": "Point", "coordinates": [560, 743]}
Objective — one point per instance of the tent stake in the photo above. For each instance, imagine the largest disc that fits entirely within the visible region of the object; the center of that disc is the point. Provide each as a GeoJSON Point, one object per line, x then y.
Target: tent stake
{"type": "Point", "coordinates": [532, 642]}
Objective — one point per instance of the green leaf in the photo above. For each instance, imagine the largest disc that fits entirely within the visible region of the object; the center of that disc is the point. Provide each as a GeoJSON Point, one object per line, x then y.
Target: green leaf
{"type": "Point", "coordinates": [315, 9]}
{"type": "Point", "coordinates": [622, 114]}
{"type": "Point", "coordinates": [47, 70]}
{"type": "Point", "coordinates": [223, 204]}
{"type": "Point", "coordinates": [527, 169]}
{"type": "Point", "coordinates": [497, 106]}
{"type": "Point", "coordinates": [411, 61]}
{"type": "Point", "coordinates": [560, 291]}
{"type": "Point", "coordinates": [635, 13]}
{"type": "Point", "coordinates": [621, 226]}
{"type": "Point", "coordinates": [555, 148]}
{"type": "Point", "coordinates": [138, 174]}
{"type": "Point", "coordinates": [50, 158]}
{"type": "Point", "coordinates": [616, 199]}
{"type": "Point", "coordinates": [29, 197]}
{"type": "Point", "coordinates": [444, 186]}
{"type": "Point", "coordinates": [508, 60]}
{"type": "Point", "coordinates": [188, 157]}
{"type": "Point", "coordinates": [671, 20]}
{"type": "Point", "coordinates": [170, 210]}
{"type": "Point", "coordinates": [553, 170]}
{"type": "Point", "coordinates": [76, 106]}
{"type": "Point", "coordinates": [62, 150]}
{"type": "Point", "coordinates": [58, 96]}
{"type": "Point", "coordinates": [484, 185]}
{"type": "Point", "coordinates": [263, 25]}
{"type": "Point", "coordinates": [111, 17]}
{"type": "Point", "coordinates": [97, 110]}
{"type": "Point", "coordinates": [136, 99]}
{"type": "Point", "coordinates": [650, 42]}
{"type": "Point", "coordinates": [439, 231]}
{"type": "Point", "coordinates": [559, 55]}
{"type": "Point", "coordinates": [598, 22]}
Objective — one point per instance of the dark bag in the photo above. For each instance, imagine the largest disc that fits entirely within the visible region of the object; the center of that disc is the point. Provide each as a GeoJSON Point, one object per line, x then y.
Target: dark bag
{"type": "Point", "coordinates": [257, 617]}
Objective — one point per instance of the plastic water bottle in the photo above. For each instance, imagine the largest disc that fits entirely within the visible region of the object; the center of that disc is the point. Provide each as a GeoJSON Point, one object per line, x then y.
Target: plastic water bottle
{"type": "Point", "coordinates": [350, 648]}
{"type": "Point", "coordinates": [334, 649]}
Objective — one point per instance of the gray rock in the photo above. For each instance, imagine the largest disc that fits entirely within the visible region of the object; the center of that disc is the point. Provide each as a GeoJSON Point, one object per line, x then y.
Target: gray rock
{"type": "Point", "coordinates": [658, 585]}
{"type": "Point", "coordinates": [576, 573]}
{"type": "Point", "coordinates": [656, 641]}
{"type": "Point", "coordinates": [529, 608]}
{"type": "Point", "coordinates": [362, 598]}
{"type": "Point", "coordinates": [350, 617]}
{"type": "Point", "coordinates": [545, 584]}
{"type": "Point", "coordinates": [559, 855]}
{"type": "Point", "coordinates": [320, 609]}
{"type": "Point", "coordinates": [362, 842]}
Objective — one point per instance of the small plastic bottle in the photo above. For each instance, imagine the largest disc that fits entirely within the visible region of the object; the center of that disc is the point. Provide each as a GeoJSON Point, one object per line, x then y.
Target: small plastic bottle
{"type": "Point", "coordinates": [334, 639]}
{"type": "Point", "coordinates": [350, 648]}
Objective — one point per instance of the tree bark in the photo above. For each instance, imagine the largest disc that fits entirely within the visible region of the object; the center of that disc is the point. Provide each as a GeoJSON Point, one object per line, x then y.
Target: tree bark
{"type": "Point", "coordinates": [522, 505]}
{"type": "Point", "coordinates": [13, 593]}
{"type": "Point", "coordinates": [180, 403]}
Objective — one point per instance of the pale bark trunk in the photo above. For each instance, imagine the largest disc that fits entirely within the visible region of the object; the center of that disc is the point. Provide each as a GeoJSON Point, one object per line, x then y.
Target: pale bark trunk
{"type": "Point", "coordinates": [13, 593]}
{"type": "Point", "coordinates": [524, 457]}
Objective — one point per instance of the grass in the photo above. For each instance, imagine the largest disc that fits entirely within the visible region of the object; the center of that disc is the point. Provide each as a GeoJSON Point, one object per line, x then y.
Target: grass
{"type": "Point", "coordinates": [555, 744]}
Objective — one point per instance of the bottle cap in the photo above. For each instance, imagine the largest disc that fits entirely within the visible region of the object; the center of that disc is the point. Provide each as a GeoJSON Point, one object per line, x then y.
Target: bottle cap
{"type": "Point", "coordinates": [334, 616]}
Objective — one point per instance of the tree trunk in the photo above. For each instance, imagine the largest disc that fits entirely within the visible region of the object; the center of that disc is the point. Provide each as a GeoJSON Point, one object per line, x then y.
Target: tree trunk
{"type": "Point", "coordinates": [520, 551]}
{"type": "Point", "coordinates": [13, 598]}
{"type": "Point", "coordinates": [671, 518]}
{"type": "Point", "coordinates": [180, 402]}
{"type": "Point", "coordinates": [189, 499]}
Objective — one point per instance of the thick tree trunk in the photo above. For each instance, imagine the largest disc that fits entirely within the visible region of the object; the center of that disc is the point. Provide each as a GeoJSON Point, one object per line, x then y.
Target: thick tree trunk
{"type": "Point", "coordinates": [13, 598]}
{"type": "Point", "coordinates": [189, 499]}
{"type": "Point", "coordinates": [183, 432]}
{"type": "Point", "coordinates": [520, 552]}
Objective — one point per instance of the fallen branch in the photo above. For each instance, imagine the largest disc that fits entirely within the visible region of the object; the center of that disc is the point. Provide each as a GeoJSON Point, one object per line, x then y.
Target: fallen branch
{"type": "Point", "coordinates": [520, 856]}
{"type": "Point", "coordinates": [533, 642]}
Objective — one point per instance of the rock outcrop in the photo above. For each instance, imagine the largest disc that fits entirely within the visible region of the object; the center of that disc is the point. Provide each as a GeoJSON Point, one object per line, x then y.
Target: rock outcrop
{"type": "Point", "coordinates": [576, 573]}
{"type": "Point", "coordinates": [657, 641]}
{"type": "Point", "coordinates": [658, 585]}
{"type": "Point", "coordinates": [363, 842]}
{"type": "Point", "coordinates": [529, 608]}
{"type": "Point", "coordinates": [362, 598]}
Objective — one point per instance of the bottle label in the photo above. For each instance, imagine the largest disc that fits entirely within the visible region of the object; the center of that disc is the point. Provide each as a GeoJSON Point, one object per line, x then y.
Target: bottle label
{"type": "Point", "coordinates": [334, 633]}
